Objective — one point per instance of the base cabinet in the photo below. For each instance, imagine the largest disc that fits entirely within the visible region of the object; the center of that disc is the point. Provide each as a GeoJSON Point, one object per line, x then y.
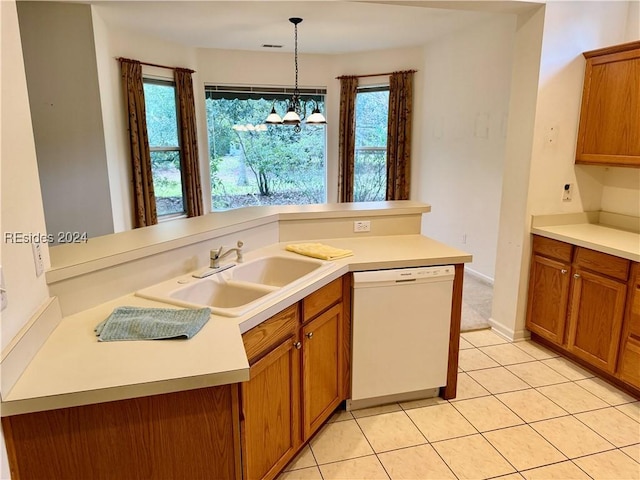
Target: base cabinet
{"type": "Point", "coordinates": [629, 363]}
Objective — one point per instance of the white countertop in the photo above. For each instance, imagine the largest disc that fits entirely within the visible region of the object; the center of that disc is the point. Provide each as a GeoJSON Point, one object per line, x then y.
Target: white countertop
{"type": "Point", "coordinates": [601, 238]}
{"type": "Point", "coordinates": [73, 368]}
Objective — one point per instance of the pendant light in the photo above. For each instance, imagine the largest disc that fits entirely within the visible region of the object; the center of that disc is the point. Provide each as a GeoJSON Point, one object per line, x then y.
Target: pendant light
{"type": "Point", "coordinates": [295, 106]}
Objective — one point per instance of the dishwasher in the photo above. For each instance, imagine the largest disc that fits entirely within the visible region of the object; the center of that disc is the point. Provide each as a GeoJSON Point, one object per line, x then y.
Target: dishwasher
{"type": "Point", "coordinates": [400, 341]}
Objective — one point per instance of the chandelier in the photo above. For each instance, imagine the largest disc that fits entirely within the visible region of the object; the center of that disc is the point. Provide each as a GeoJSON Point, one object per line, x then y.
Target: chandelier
{"type": "Point", "coordinates": [296, 107]}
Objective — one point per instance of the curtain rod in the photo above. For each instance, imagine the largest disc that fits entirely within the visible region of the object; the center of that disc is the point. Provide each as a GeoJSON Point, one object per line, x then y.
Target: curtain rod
{"type": "Point", "coordinates": [121, 59]}
{"type": "Point", "coordinates": [374, 74]}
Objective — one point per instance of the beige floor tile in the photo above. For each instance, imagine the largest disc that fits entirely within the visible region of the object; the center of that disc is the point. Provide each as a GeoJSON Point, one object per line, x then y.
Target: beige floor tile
{"type": "Point", "coordinates": [498, 380]}
{"type": "Point", "coordinates": [605, 391]}
{"type": "Point", "coordinates": [421, 462]}
{"type": "Point", "coordinates": [367, 412]}
{"type": "Point", "coordinates": [633, 451]}
{"type": "Point", "coordinates": [507, 354]}
{"type": "Point", "coordinates": [573, 398]}
{"type": "Point", "coordinates": [440, 422]}
{"type": "Point", "coordinates": [310, 473]}
{"type": "Point", "coordinates": [340, 416]}
{"type": "Point", "coordinates": [303, 460]}
{"type": "Point", "coordinates": [536, 350]}
{"type": "Point", "coordinates": [631, 410]}
{"type": "Point", "coordinates": [482, 338]}
{"type": "Point", "coordinates": [571, 437]}
{"type": "Point", "coordinates": [363, 468]}
{"type": "Point", "coordinates": [425, 402]}
{"type": "Point", "coordinates": [464, 344]}
{"type": "Point", "coordinates": [557, 471]}
{"type": "Point", "coordinates": [340, 441]}
{"type": "Point", "coordinates": [613, 425]}
{"type": "Point", "coordinates": [566, 367]}
{"type": "Point", "coordinates": [524, 447]}
{"type": "Point", "coordinates": [487, 413]}
{"type": "Point", "coordinates": [537, 374]}
{"type": "Point", "coordinates": [472, 458]}
{"type": "Point", "coordinates": [391, 431]}
{"type": "Point", "coordinates": [613, 465]}
{"type": "Point", "coordinates": [531, 405]}
{"type": "Point", "coordinates": [474, 359]}
{"type": "Point", "coordinates": [468, 388]}
{"type": "Point", "coordinates": [511, 476]}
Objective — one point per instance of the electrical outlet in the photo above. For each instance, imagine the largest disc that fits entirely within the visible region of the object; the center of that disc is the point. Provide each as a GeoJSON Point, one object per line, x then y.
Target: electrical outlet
{"type": "Point", "coordinates": [37, 258]}
{"type": "Point", "coordinates": [3, 292]}
{"type": "Point", "coordinates": [360, 226]}
{"type": "Point", "coordinates": [567, 192]}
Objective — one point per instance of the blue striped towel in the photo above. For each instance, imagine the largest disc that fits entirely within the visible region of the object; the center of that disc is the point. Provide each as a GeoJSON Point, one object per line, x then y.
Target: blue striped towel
{"type": "Point", "coordinates": [135, 323]}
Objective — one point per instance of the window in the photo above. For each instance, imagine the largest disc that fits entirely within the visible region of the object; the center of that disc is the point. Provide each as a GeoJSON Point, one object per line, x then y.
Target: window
{"type": "Point", "coordinates": [370, 169]}
{"type": "Point", "coordinates": [164, 146]}
{"type": "Point", "coordinates": [257, 164]}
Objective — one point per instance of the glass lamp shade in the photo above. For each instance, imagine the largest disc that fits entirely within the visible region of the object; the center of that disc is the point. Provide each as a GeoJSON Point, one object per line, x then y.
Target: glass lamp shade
{"type": "Point", "coordinates": [291, 118]}
{"type": "Point", "coordinates": [273, 117]}
{"type": "Point", "coordinates": [316, 118]}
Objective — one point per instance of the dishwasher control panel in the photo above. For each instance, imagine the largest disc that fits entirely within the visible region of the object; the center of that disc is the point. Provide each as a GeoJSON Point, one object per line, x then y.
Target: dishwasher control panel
{"type": "Point", "coordinates": [403, 275]}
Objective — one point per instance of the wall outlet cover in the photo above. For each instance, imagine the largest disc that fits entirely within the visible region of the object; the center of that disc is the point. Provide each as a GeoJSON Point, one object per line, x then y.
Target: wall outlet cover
{"type": "Point", "coordinates": [360, 226]}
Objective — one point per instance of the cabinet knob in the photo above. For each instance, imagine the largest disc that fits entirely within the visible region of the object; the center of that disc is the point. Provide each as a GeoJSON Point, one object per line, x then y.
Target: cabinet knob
{"type": "Point", "coordinates": [298, 345]}
{"type": "Point", "coordinates": [310, 335]}
{"type": "Point", "coordinates": [563, 271]}
{"type": "Point", "coordinates": [576, 275]}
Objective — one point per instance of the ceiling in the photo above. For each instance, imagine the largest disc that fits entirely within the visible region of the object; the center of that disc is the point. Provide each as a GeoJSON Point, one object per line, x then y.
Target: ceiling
{"type": "Point", "coordinates": [329, 27]}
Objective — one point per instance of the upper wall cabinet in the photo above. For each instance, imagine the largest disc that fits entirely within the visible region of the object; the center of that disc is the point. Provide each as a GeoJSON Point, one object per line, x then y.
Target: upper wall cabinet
{"type": "Point", "coordinates": [609, 132]}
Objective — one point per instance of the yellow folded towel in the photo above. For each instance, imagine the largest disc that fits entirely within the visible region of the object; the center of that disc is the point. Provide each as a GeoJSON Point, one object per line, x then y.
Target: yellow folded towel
{"type": "Point", "coordinates": [319, 250]}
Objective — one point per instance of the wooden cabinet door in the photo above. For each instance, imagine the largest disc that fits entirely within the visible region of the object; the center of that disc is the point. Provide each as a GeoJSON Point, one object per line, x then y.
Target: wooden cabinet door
{"type": "Point", "coordinates": [629, 363]}
{"type": "Point", "coordinates": [548, 295]}
{"type": "Point", "coordinates": [321, 368]}
{"type": "Point", "coordinates": [595, 318]}
{"type": "Point", "coordinates": [270, 412]}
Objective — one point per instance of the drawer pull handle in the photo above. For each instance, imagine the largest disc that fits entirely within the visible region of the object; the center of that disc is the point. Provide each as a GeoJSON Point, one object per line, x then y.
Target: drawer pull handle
{"type": "Point", "coordinates": [310, 335]}
{"type": "Point", "coordinates": [576, 275]}
{"type": "Point", "coordinates": [563, 271]}
{"type": "Point", "coordinates": [298, 345]}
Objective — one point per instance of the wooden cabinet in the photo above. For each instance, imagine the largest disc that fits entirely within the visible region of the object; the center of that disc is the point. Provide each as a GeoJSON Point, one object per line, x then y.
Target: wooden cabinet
{"type": "Point", "coordinates": [296, 381]}
{"type": "Point", "coordinates": [577, 299]}
{"type": "Point", "coordinates": [629, 363]}
{"type": "Point", "coordinates": [609, 131]}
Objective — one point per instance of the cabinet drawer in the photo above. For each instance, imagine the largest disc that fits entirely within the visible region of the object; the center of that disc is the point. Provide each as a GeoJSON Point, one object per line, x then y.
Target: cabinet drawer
{"type": "Point", "coordinates": [321, 299]}
{"type": "Point", "coordinates": [629, 361]}
{"type": "Point", "coordinates": [609, 265]}
{"type": "Point", "coordinates": [262, 338]}
{"type": "Point", "coordinates": [548, 247]}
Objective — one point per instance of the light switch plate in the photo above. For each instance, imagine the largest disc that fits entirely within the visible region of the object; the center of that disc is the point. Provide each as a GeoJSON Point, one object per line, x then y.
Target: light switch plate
{"type": "Point", "coordinates": [37, 258]}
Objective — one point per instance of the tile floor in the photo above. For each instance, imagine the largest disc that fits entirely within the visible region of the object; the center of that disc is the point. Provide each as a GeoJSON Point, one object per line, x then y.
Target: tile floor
{"type": "Point", "coordinates": [521, 412]}
{"type": "Point", "coordinates": [477, 296]}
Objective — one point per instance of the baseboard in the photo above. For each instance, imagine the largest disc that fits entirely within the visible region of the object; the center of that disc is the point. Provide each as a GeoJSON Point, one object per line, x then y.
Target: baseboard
{"type": "Point", "coordinates": [479, 276]}
{"type": "Point", "coordinates": [507, 333]}
{"type": "Point", "coordinates": [19, 353]}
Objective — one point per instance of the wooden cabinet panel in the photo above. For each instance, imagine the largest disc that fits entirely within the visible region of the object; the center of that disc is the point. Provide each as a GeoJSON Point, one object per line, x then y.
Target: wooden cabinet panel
{"type": "Point", "coordinates": [183, 435]}
{"type": "Point", "coordinates": [597, 309]}
{"type": "Point", "coordinates": [609, 131]}
{"type": "Point", "coordinates": [321, 368]}
{"type": "Point", "coordinates": [629, 370]}
{"type": "Point", "coordinates": [602, 263]}
{"type": "Point", "coordinates": [321, 299]}
{"type": "Point", "coordinates": [547, 247]}
{"type": "Point", "coordinates": [260, 339]}
{"type": "Point", "coordinates": [629, 363]}
{"type": "Point", "coordinates": [548, 296]}
{"type": "Point", "coordinates": [271, 412]}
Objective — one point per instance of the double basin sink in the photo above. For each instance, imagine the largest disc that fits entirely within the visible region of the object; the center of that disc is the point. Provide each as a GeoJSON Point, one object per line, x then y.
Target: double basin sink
{"type": "Point", "coordinates": [237, 290]}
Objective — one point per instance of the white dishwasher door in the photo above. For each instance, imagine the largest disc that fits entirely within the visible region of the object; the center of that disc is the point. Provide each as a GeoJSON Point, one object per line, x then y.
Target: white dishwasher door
{"type": "Point", "coordinates": [401, 323]}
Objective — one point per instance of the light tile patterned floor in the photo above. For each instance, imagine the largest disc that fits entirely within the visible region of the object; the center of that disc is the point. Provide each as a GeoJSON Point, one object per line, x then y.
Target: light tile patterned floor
{"type": "Point", "coordinates": [521, 412]}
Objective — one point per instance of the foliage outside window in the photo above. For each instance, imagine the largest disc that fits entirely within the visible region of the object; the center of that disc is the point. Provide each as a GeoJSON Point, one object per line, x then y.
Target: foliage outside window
{"type": "Point", "coordinates": [370, 169]}
{"type": "Point", "coordinates": [164, 146]}
{"type": "Point", "coordinates": [256, 164]}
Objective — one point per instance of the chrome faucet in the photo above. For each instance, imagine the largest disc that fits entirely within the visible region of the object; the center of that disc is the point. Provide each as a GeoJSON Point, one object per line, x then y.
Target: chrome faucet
{"type": "Point", "coordinates": [217, 255]}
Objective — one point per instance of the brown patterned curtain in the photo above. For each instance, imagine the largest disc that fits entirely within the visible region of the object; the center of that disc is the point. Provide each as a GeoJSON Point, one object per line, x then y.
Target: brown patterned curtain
{"type": "Point", "coordinates": [399, 135]}
{"type": "Point", "coordinates": [144, 200]}
{"type": "Point", "coordinates": [347, 143]}
{"type": "Point", "coordinates": [188, 143]}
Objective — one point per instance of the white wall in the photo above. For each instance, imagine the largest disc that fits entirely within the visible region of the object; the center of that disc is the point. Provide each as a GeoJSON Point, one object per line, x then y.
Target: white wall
{"type": "Point", "coordinates": [60, 62]}
{"type": "Point", "coordinates": [467, 83]}
{"type": "Point", "coordinates": [21, 207]}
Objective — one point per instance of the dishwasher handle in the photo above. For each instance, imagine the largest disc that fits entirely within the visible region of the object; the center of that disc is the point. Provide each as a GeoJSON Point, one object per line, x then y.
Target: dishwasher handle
{"type": "Point", "coordinates": [401, 276]}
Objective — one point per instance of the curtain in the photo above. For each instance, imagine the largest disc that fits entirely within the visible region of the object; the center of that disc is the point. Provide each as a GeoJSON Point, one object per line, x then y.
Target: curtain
{"type": "Point", "coordinates": [347, 140]}
{"type": "Point", "coordinates": [399, 135]}
{"type": "Point", "coordinates": [144, 200]}
{"type": "Point", "coordinates": [188, 143]}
